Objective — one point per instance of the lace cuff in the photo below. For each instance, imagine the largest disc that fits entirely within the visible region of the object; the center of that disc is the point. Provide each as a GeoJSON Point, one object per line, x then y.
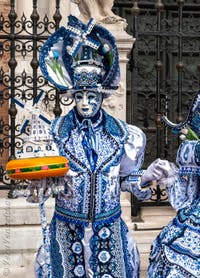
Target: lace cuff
{"type": "Point", "coordinates": [132, 183]}
{"type": "Point", "coordinates": [49, 186]}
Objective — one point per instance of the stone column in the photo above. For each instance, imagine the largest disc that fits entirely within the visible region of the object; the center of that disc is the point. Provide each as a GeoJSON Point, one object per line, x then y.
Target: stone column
{"type": "Point", "coordinates": [24, 6]}
{"type": "Point", "coordinates": [65, 10]}
{"type": "Point", "coordinates": [116, 104]}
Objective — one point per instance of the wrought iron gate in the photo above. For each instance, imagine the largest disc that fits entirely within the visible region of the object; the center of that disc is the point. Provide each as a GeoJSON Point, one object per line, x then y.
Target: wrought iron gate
{"type": "Point", "coordinates": [20, 78]}
{"type": "Point", "coordinates": [163, 72]}
{"type": "Point", "coordinates": [162, 75]}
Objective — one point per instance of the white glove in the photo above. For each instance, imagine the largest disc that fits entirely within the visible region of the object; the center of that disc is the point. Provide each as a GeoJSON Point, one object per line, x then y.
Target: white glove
{"type": "Point", "coordinates": [157, 170]}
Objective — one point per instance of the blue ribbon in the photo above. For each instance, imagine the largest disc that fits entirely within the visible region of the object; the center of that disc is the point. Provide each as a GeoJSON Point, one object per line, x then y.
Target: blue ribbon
{"type": "Point", "coordinates": [89, 142]}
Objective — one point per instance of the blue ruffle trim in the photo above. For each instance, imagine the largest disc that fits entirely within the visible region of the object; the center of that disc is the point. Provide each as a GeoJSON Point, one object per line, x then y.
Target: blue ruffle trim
{"type": "Point", "coordinates": [81, 220]}
{"type": "Point", "coordinates": [107, 220]}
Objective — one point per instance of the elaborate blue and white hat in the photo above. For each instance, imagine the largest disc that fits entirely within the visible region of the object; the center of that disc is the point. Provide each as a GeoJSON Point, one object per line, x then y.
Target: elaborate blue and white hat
{"type": "Point", "coordinates": [188, 155]}
{"type": "Point", "coordinates": [81, 57]}
{"type": "Point", "coordinates": [192, 121]}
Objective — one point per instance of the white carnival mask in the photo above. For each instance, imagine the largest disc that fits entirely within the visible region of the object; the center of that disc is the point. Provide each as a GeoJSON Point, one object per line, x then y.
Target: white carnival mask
{"type": "Point", "coordinates": [88, 103]}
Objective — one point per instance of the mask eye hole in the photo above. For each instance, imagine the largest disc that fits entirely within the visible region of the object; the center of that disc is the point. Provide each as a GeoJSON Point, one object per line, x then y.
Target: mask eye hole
{"type": "Point", "coordinates": [78, 96]}
{"type": "Point", "coordinates": [91, 96]}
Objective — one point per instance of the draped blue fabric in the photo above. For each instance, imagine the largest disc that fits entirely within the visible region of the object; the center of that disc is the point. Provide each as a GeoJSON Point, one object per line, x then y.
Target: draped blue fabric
{"type": "Point", "coordinates": [89, 141]}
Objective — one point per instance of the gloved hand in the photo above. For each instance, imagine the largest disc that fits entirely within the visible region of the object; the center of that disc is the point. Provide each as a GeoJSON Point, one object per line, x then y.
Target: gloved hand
{"type": "Point", "coordinates": [157, 170]}
{"type": "Point", "coordinates": [37, 187]}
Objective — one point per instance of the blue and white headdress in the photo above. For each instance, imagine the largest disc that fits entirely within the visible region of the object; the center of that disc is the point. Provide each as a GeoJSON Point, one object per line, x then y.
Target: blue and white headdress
{"type": "Point", "coordinates": [81, 57]}
{"type": "Point", "coordinates": [192, 122]}
{"type": "Point", "coordinates": [188, 155]}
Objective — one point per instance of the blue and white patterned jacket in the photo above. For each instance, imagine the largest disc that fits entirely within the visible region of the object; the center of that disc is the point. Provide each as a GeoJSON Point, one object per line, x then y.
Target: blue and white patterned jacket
{"type": "Point", "coordinates": [94, 196]}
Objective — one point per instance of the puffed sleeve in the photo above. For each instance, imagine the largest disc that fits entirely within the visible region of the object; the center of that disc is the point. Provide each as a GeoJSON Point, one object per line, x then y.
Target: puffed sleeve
{"type": "Point", "coordinates": [130, 168]}
{"type": "Point", "coordinates": [134, 151]}
{"type": "Point", "coordinates": [183, 187]}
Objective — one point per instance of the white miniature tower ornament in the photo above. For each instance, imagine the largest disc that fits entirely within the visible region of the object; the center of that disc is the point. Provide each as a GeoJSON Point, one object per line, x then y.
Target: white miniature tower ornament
{"type": "Point", "coordinates": [38, 142]}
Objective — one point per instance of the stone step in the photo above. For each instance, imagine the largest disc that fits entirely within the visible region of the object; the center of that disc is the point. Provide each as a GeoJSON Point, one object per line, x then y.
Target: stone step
{"type": "Point", "coordinates": [20, 212]}
{"type": "Point", "coordinates": [156, 211]}
{"type": "Point", "coordinates": [20, 259]}
{"type": "Point", "coordinates": [19, 239]}
{"type": "Point", "coordinates": [143, 237]}
{"type": "Point", "coordinates": [24, 272]}
{"type": "Point", "coordinates": [154, 224]}
{"type": "Point", "coordinates": [144, 240]}
{"type": "Point", "coordinates": [154, 218]}
{"type": "Point", "coordinates": [17, 272]}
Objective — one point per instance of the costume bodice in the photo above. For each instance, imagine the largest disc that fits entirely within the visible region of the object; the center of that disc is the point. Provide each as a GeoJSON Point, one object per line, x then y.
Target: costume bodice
{"type": "Point", "coordinates": [185, 190]}
{"type": "Point", "coordinates": [188, 157]}
{"type": "Point", "coordinates": [93, 195]}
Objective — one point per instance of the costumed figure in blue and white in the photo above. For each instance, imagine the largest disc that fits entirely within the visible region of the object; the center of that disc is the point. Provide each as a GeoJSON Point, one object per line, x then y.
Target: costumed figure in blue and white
{"type": "Point", "coordinates": [88, 238]}
{"type": "Point", "coordinates": [176, 250]}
